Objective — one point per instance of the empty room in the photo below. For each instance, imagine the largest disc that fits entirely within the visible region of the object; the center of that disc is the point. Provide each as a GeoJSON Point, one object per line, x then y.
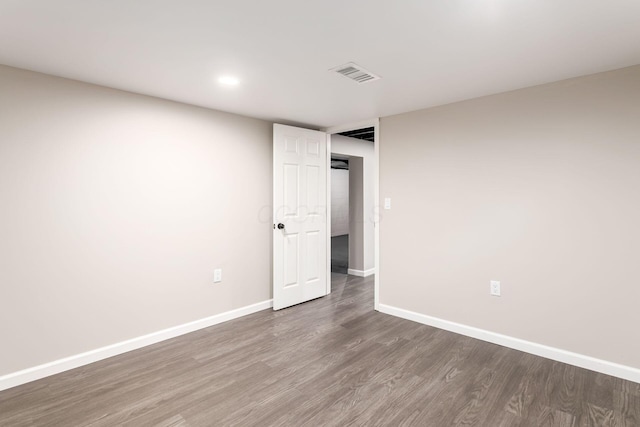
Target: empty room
{"type": "Point", "coordinates": [371, 213]}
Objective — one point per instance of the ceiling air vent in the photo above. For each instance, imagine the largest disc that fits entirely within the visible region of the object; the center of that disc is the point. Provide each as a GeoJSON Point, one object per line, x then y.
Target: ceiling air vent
{"type": "Point", "coordinates": [355, 73]}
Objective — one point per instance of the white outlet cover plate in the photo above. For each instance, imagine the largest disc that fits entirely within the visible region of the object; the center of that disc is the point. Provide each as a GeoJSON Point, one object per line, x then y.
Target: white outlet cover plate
{"type": "Point", "coordinates": [495, 288]}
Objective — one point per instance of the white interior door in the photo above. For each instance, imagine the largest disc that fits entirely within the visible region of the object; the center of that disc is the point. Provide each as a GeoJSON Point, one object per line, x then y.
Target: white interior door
{"type": "Point", "coordinates": [299, 215]}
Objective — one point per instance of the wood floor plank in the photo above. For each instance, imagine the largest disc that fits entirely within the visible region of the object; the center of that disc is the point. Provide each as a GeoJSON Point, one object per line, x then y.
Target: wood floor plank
{"type": "Point", "coordinates": [532, 396]}
{"type": "Point", "coordinates": [595, 416]}
{"type": "Point", "coordinates": [551, 417]}
{"type": "Point", "coordinates": [626, 407]}
{"type": "Point", "coordinates": [331, 361]}
{"type": "Point", "coordinates": [568, 396]}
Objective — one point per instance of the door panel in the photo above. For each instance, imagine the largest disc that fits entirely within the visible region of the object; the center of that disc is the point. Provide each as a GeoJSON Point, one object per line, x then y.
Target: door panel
{"type": "Point", "coordinates": [313, 195]}
{"type": "Point", "coordinates": [290, 260]}
{"type": "Point", "coordinates": [291, 185]}
{"type": "Point", "coordinates": [299, 195]}
{"type": "Point", "coordinates": [313, 252]}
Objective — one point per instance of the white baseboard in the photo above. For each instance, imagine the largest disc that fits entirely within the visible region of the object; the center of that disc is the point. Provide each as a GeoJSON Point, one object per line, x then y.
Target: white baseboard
{"type": "Point", "coordinates": [361, 273]}
{"type": "Point", "coordinates": [61, 365]}
{"type": "Point", "coordinates": [576, 359]}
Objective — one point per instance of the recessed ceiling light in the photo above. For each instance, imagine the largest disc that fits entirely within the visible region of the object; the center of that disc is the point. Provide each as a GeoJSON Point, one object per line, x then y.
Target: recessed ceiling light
{"type": "Point", "coordinates": [228, 81]}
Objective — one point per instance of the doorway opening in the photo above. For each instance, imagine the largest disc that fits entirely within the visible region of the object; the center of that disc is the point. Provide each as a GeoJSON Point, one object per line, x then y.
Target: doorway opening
{"type": "Point", "coordinates": [353, 201]}
{"type": "Point", "coordinates": [301, 220]}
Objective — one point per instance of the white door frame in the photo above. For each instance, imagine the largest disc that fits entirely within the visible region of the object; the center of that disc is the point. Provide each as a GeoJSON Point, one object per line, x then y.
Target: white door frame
{"type": "Point", "coordinates": [375, 123]}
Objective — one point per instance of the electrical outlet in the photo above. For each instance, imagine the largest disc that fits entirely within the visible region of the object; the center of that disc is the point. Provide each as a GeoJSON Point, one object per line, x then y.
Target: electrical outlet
{"type": "Point", "coordinates": [494, 288]}
{"type": "Point", "coordinates": [217, 275]}
{"type": "Point", "coordinates": [387, 202]}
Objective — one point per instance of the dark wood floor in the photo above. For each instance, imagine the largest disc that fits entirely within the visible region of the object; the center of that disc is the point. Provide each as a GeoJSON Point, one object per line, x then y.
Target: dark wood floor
{"type": "Point", "coordinates": [332, 361]}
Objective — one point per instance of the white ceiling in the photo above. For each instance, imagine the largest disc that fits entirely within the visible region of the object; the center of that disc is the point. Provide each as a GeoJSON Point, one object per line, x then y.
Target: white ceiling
{"type": "Point", "coordinates": [428, 52]}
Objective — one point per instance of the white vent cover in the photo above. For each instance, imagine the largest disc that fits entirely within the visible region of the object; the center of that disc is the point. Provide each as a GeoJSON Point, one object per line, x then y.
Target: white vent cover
{"type": "Point", "coordinates": [355, 73]}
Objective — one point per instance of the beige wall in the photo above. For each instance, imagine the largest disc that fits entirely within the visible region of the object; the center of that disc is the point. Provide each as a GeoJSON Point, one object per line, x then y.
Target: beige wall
{"type": "Point", "coordinates": [115, 210]}
{"type": "Point", "coordinates": [339, 202]}
{"type": "Point", "coordinates": [538, 188]}
{"type": "Point", "coordinates": [356, 212]}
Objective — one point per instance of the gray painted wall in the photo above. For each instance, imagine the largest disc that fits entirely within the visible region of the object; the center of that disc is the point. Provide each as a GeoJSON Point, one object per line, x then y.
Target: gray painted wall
{"type": "Point", "coordinates": [339, 202]}
{"type": "Point", "coordinates": [538, 188]}
{"type": "Point", "coordinates": [116, 208]}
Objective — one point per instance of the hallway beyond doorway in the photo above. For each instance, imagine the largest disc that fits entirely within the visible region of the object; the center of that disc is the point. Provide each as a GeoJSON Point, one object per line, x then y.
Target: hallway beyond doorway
{"type": "Point", "coordinates": [340, 254]}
